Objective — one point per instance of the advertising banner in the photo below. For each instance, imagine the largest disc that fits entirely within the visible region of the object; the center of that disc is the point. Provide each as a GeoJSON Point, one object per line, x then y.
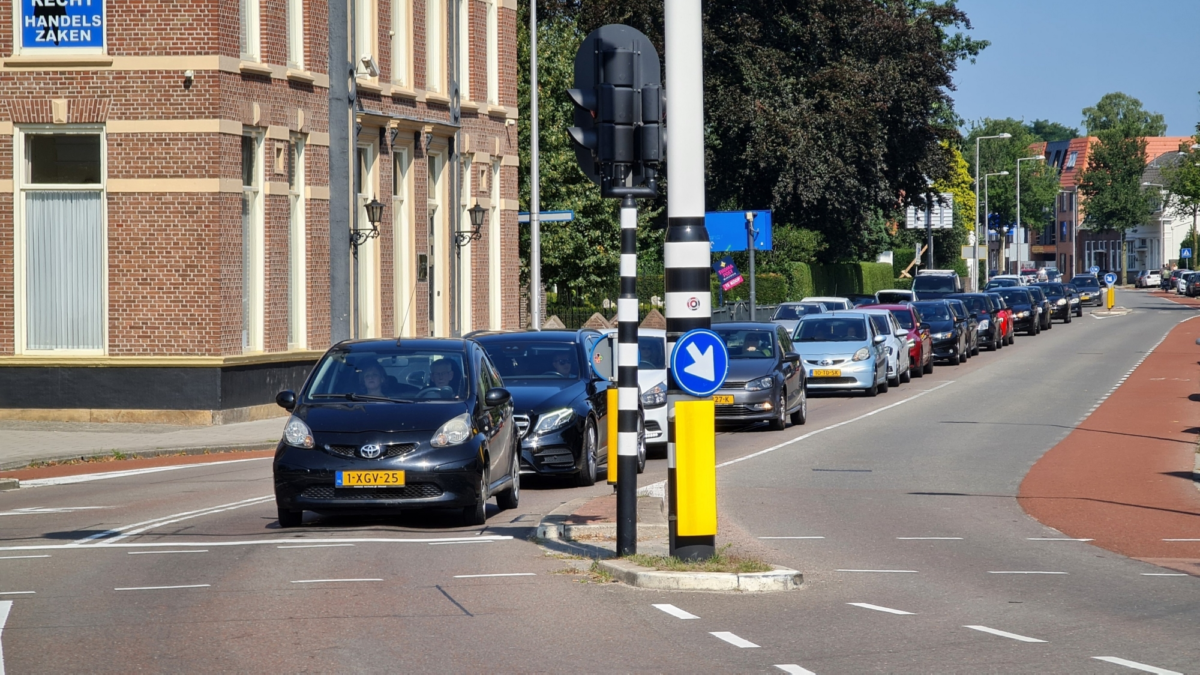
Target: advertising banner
{"type": "Point", "coordinates": [62, 24]}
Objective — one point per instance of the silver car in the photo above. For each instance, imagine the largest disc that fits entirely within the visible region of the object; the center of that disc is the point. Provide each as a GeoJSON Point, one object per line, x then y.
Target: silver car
{"type": "Point", "coordinates": [842, 351]}
{"type": "Point", "coordinates": [898, 366]}
{"type": "Point", "coordinates": [788, 314]}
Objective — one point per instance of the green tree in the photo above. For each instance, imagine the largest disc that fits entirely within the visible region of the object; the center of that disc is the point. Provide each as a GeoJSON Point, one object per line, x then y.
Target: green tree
{"type": "Point", "coordinates": [1123, 114]}
{"type": "Point", "coordinates": [1039, 180]}
{"type": "Point", "coordinates": [1181, 182]}
{"type": "Point", "coordinates": [1052, 131]}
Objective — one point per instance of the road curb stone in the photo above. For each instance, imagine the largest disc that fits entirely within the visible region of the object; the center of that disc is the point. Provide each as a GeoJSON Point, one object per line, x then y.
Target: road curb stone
{"type": "Point", "coordinates": [779, 579]}
{"type": "Point", "coordinates": [146, 454]}
{"type": "Point", "coordinates": [9, 484]}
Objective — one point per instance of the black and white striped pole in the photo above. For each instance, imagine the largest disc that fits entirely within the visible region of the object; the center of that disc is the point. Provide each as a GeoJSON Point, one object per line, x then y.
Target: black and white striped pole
{"type": "Point", "coordinates": [627, 384]}
{"type": "Point", "coordinates": [691, 432]}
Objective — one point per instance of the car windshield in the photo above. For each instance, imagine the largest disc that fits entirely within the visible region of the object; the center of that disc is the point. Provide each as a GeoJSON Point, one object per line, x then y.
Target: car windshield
{"type": "Point", "coordinates": [975, 304]}
{"type": "Point", "coordinates": [1085, 282]}
{"type": "Point", "coordinates": [750, 343]}
{"type": "Point", "coordinates": [936, 311]}
{"type": "Point", "coordinates": [934, 282]}
{"type": "Point", "coordinates": [833, 329]}
{"type": "Point", "coordinates": [832, 305]}
{"type": "Point", "coordinates": [789, 312]}
{"type": "Point", "coordinates": [397, 375]}
{"type": "Point", "coordinates": [652, 353]}
{"type": "Point", "coordinates": [1003, 283]}
{"type": "Point", "coordinates": [886, 297]}
{"type": "Point", "coordinates": [524, 360]}
{"type": "Point", "coordinates": [1037, 294]}
{"type": "Point", "coordinates": [903, 317]}
{"type": "Point", "coordinates": [1053, 291]}
{"type": "Point", "coordinates": [1016, 296]}
{"type": "Point", "coordinates": [998, 301]}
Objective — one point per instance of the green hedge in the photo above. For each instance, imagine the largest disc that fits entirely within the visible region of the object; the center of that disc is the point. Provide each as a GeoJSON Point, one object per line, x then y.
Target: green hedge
{"type": "Point", "coordinates": [769, 289]}
{"type": "Point", "coordinates": [801, 282]}
{"type": "Point", "coordinates": [901, 259]}
{"type": "Point", "coordinates": [905, 283]}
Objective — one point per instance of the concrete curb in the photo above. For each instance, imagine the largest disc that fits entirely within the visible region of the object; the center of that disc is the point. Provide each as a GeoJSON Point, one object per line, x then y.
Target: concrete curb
{"type": "Point", "coordinates": [780, 579]}
{"type": "Point", "coordinates": [145, 454]}
{"type": "Point", "coordinates": [9, 484]}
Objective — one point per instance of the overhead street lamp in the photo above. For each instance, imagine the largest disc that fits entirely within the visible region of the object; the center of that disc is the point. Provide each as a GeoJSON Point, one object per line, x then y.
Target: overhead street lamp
{"type": "Point", "coordinates": [986, 212]}
{"type": "Point", "coordinates": [975, 265]}
{"type": "Point", "coordinates": [1020, 229]}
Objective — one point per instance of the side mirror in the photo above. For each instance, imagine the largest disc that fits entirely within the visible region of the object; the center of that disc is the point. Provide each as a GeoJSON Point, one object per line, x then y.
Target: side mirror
{"type": "Point", "coordinates": [879, 339]}
{"type": "Point", "coordinates": [286, 399]}
{"type": "Point", "coordinates": [901, 333]}
{"type": "Point", "coordinates": [496, 397]}
{"type": "Point", "coordinates": [791, 357]}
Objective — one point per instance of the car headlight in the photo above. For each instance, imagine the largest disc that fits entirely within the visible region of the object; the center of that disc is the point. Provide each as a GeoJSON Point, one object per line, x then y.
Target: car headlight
{"type": "Point", "coordinates": [1022, 315]}
{"type": "Point", "coordinates": [555, 419]}
{"type": "Point", "coordinates": [656, 397]}
{"type": "Point", "coordinates": [941, 336]}
{"type": "Point", "coordinates": [983, 325]}
{"type": "Point", "coordinates": [760, 384]}
{"type": "Point", "coordinates": [297, 433]}
{"type": "Point", "coordinates": [862, 354]}
{"type": "Point", "coordinates": [1061, 301]}
{"type": "Point", "coordinates": [455, 431]}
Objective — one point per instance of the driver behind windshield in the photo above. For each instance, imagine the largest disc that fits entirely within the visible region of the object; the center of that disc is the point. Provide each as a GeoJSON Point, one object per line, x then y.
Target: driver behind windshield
{"type": "Point", "coordinates": [443, 376]}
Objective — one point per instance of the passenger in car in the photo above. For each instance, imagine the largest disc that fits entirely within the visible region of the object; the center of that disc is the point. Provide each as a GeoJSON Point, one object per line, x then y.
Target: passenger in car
{"type": "Point", "coordinates": [372, 378]}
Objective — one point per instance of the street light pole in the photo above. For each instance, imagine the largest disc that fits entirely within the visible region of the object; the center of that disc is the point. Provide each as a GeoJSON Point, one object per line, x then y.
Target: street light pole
{"type": "Point", "coordinates": [975, 264]}
{"type": "Point", "coordinates": [1020, 229]}
{"type": "Point", "coordinates": [985, 200]}
{"type": "Point", "coordinates": [535, 201]}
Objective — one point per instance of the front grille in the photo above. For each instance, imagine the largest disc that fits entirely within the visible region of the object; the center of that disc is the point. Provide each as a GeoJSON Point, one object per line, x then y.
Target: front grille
{"type": "Point", "coordinates": [393, 450]}
{"type": "Point", "coordinates": [651, 425]}
{"type": "Point", "coordinates": [817, 362]}
{"type": "Point", "coordinates": [397, 449]}
{"type": "Point", "coordinates": [522, 424]}
{"type": "Point", "coordinates": [732, 384]}
{"type": "Point", "coordinates": [735, 410]}
{"type": "Point", "coordinates": [832, 380]}
{"type": "Point", "coordinates": [555, 458]}
{"type": "Point", "coordinates": [342, 450]}
{"type": "Point", "coordinates": [410, 491]}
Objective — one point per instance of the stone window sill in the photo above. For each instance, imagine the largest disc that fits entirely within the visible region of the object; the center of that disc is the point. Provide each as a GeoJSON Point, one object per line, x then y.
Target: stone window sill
{"type": "Point", "coordinates": [254, 68]}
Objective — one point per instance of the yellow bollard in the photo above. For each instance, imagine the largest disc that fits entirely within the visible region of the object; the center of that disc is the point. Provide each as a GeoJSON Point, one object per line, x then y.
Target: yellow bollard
{"type": "Point", "coordinates": [1112, 297]}
{"type": "Point", "coordinates": [696, 468]}
{"type": "Point", "coordinates": [612, 435]}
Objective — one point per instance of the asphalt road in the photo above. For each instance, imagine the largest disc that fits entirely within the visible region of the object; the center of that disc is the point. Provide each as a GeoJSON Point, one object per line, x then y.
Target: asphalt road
{"type": "Point", "coordinates": [903, 504]}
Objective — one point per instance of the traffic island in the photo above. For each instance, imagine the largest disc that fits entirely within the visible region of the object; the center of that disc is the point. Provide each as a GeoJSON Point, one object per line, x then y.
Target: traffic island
{"type": "Point", "coordinates": [9, 484]}
{"type": "Point", "coordinates": [628, 572]}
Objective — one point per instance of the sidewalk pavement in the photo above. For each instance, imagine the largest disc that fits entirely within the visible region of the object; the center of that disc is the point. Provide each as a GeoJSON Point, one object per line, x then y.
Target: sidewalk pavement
{"type": "Point", "coordinates": [24, 442]}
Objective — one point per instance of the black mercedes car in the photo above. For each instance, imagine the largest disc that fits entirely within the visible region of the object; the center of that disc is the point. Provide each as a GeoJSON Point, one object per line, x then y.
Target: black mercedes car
{"type": "Point", "coordinates": [394, 425]}
{"type": "Point", "coordinates": [1025, 312]}
{"type": "Point", "coordinates": [1059, 299]}
{"type": "Point", "coordinates": [561, 404]}
{"type": "Point", "coordinates": [949, 332]}
{"type": "Point", "coordinates": [980, 305]}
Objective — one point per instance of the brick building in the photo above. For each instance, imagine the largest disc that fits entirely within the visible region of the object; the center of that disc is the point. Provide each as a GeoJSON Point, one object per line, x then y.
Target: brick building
{"type": "Point", "coordinates": [164, 195]}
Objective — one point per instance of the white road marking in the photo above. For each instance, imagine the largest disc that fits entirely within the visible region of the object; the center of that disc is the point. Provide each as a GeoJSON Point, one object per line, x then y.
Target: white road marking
{"type": "Point", "coordinates": [1181, 539]}
{"type": "Point", "coordinates": [87, 478]}
{"type": "Point", "coordinates": [161, 588]}
{"type": "Point", "coordinates": [199, 550]}
{"type": "Point", "coordinates": [18, 592]}
{"type": "Point", "coordinates": [35, 510]}
{"type": "Point", "coordinates": [1165, 574]}
{"type": "Point", "coordinates": [251, 542]}
{"type": "Point", "coordinates": [484, 576]}
{"type": "Point", "coordinates": [184, 516]}
{"type": "Point", "coordinates": [793, 669]}
{"type": "Point", "coordinates": [675, 612]}
{"type": "Point", "coordinates": [1136, 666]}
{"type": "Point", "coordinates": [877, 608]}
{"type": "Point", "coordinates": [156, 521]}
{"type": "Point", "coordinates": [316, 546]}
{"type": "Point", "coordinates": [5, 608]}
{"type": "Point", "coordinates": [883, 571]}
{"type": "Point", "coordinates": [1054, 539]}
{"type": "Point", "coordinates": [330, 581]}
{"type": "Point", "coordinates": [1011, 636]}
{"type": "Point", "coordinates": [465, 541]}
{"type": "Point", "coordinates": [791, 537]}
{"type": "Point", "coordinates": [929, 538]}
{"type": "Point", "coordinates": [20, 557]}
{"type": "Point", "coordinates": [1023, 572]}
{"type": "Point", "coordinates": [734, 640]}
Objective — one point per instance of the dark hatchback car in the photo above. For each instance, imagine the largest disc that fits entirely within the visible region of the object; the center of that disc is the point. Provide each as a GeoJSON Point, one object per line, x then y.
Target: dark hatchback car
{"type": "Point", "coordinates": [1025, 312]}
{"type": "Point", "coordinates": [1043, 304]}
{"type": "Point", "coordinates": [971, 325]}
{"type": "Point", "coordinates": [1059, 298]}
{"type": "Point", "coordinates": [765, 380]}
{"type": "Point", "coordinates": [395, 425]}
{"type": "Point", "coordinates": [1089, 289]}
{"type": "Point", "coordinates": [984, 310]}
{"type": "Point", "coordinates": [948, 331]}
{"type": "Point", "coordinates": [561, 405]}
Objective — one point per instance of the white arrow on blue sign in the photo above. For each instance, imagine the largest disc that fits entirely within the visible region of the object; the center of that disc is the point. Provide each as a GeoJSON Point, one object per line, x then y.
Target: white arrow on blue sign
{"type": "Point", "coordinates": [1094, 270]}
{"type": "Point", "coordinates": [700, 362]}
{"type": "Point", "coordinates": [1110, 278]}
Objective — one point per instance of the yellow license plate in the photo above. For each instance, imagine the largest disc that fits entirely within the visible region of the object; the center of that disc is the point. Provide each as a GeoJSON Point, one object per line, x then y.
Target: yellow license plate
{"type": "Point", "coordinates": [819, 372]}
{"type": "Point", "coordinates": [1085, 296]}
{"type": "Point", "coordinates": [721, 399]}
{"type": "Point", "coordinates": [370, 479]}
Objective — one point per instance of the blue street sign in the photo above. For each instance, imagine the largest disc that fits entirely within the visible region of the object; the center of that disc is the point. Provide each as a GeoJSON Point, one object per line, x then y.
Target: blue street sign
{"type": "Point", "coordinates": [1185, 253]}
{"type": "Point", "coordinates": [1110, 278]}
{"type": "Point", "coordinates": [727, 230]}
{"type": "Point", "coordinates": [1094, 270]}
{"type": "Point", "coordinates": [700, 362]}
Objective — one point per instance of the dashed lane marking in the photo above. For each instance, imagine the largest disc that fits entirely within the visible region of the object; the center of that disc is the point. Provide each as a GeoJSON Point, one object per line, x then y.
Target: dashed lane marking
{"type": "Point", "coordinates": [1054, 539]}
{"type": "Point", "coordinates": [1001, 633]}
{"type": "Point", "coordinates": [484, 576]}
{"type": "Point", "coordinates": [5, 608]}
{"type": "Point", "coordinates": [1165, 574]}
{"type": "Point", "coordinates": [18, 592]}
{"type": "Point", "coordinates": [878, 608]}
{"type": "Point", "coordinates": [22, 557]}
{"type": "Point", "coordinates": [883, 571]}
{"type": "Point", "coordinates": [734, 640]}
{"type": "Point", "coordinates": [1181, 539]}
{"type": "Point", "coordinates": [929, 538]}
{"type": "Point", "coordinates": [161, 588]}
{"type": "Point", "coordinates": [791, 537]}
{"type": "Point", "coordinates": [465, 541]}
{"type": "Point", "coordinates": [330, 581]}
{"type": "Point", "coordinates": [1136, 666]}
{"type": "Point", "coordinates": [793, 669]}
{"type": "Point", "coordinates": [316, 546]}
{"type": "Point", "coordinates": [676, 612]}
{"type": "Point", "coordinates": [1022, 572]}
{"type": "Point", "coordinates": [198, 550]}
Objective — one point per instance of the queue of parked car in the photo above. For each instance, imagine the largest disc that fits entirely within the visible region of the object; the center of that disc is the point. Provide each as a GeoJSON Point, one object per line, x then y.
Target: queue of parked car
{"type": "Point", "coordinates": [390, 425]}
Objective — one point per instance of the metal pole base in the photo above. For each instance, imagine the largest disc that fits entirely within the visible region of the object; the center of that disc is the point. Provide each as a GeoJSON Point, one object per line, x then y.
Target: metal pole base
{"type": "Point", "coordinates": [626, 505]}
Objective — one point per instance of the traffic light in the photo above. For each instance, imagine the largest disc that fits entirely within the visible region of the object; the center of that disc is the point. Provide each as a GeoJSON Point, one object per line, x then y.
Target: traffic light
{"type": "Point", "coordinates": [619, 133]}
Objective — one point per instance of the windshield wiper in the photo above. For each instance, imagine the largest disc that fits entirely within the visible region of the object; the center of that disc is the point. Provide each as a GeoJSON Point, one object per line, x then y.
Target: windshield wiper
{"type": "Point", "coordinates": [363, 397]}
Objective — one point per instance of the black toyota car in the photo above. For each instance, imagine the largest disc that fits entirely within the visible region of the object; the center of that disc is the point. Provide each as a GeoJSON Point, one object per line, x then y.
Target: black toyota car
{"type": "Point", "coordinates": [1059, 299]}
{"type": "Point", "coordinates": [386, 426]}
{"type": "Point", "coordinates": [561, 404]}
{"type": "Point", "coordinates": [1025, 313]}
{"type": "Point", "coordinates": [948, 330]}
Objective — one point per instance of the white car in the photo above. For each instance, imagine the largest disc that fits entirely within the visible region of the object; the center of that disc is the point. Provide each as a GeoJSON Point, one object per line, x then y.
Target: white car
{"type": "Point", "coordinates": [899, 368]}
{"type": "Point", "coordinates": [1181, 283]}
{"type": "Point", "coordinates": [830, 303]}
{"type": "Point", "coordinates": [788, 314]}
{"type": "Point", "coordinates": [1149, 278]}
{"type": "Point", "coordinates": [652, 381]}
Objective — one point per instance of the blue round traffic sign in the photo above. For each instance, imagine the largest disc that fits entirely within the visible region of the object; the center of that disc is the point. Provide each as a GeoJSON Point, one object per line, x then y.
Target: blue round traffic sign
{"type": "Point", "coordinates": [700, 362]}
{"type": "Point", "coordinates": [1110, 278]}
{"type": "Point", "coordinates": [1094, 270]}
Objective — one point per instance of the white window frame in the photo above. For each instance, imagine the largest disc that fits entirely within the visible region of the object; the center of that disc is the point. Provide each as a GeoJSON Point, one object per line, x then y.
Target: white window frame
{"type": "Point", "coordinates": [463, 55]}
{"type": "Point", "coordinates": [250, 23]}
{"type": "Point", "coordinates": [366, 25]}
{"type": "Point", "coordinates": [402, 52]}
{"type": "Point", "coordinates": [439, 248]}
{"type": "Point", "coordinates": [495, 268]}
{"type": "Point", "coordinates": [435, 46]}
{"type": "Point", "coordinates": [20, 264]}
{"type": "Point", "coordinates": [367, 320]}
{"type": "Point", "coordinates": [403, 249]}
{"type": "Point", "coordinates": [20, 48]}
{"type": "Point", "coordinates": [465, 267]}
{"type": "Point", "coordinates": [493, 52]}
{"type": "Point", "coordinates": [252, 338]}
{"type": "Point", "coordinates": [295, 34]}
{"type": "Point", "coordinates": [297, 248]}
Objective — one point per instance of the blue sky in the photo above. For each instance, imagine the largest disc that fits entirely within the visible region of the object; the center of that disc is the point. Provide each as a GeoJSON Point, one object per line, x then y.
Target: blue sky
{"type": "Point", "coordinates": [1049, 59]}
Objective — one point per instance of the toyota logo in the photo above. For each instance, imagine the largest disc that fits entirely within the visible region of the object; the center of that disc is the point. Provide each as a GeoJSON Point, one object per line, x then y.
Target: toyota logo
{"type": "Point", "coordinates": [826, 362]}
{"type": "Point", "coordinates": [370, 451]}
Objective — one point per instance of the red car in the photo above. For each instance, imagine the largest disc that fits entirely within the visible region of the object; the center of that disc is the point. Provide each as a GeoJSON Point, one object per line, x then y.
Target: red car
{"type": "Point", "coordinates": [920, 343]}
{"type": "Point", "coordinates": [1004, 317]}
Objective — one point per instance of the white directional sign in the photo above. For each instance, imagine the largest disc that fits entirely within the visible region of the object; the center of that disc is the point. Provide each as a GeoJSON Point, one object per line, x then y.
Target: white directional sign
{"type": "Point", "coordinates": [941, 217]}
{"type": "Point", "coordinates": [700, 362]}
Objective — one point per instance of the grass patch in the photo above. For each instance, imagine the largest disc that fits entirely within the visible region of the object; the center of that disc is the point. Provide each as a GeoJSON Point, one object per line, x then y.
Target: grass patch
{"type": "Point", "coordinates": [722, 561]}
